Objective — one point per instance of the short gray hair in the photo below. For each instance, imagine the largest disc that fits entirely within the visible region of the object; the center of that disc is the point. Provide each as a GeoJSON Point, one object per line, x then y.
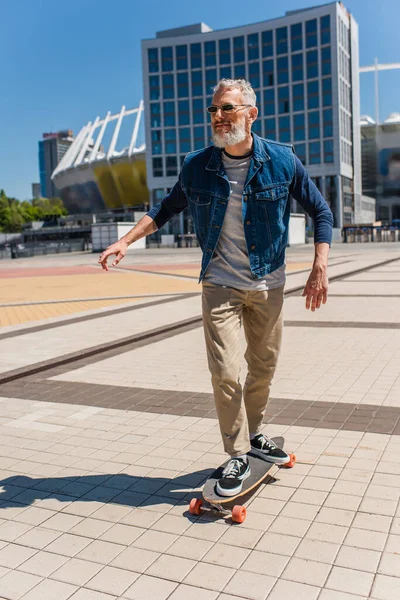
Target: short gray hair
{"type": "Point", "coordinates": [241, 84]}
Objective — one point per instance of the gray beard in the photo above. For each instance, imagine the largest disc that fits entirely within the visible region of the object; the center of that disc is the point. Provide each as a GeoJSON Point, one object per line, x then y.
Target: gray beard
{"type": "Point", "coordinates": [231, 138]}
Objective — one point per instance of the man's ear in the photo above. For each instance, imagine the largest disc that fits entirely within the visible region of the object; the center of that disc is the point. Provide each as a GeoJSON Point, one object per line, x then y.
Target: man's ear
{"type": "Point", "coordinates": [253, 113]}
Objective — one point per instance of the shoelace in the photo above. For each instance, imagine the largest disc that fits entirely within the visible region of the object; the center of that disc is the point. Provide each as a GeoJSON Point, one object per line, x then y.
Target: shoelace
{"type": "Point", "coordinates": [233, 468]}
{"type": "Point", "coordinates": [266, 443]}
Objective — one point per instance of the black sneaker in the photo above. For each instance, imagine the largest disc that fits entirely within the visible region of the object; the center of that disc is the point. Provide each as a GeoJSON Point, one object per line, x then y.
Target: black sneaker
{"type": "Point", "coordinates": [266, 449]}
{"type": "Point", "coordinates": [231, 482]}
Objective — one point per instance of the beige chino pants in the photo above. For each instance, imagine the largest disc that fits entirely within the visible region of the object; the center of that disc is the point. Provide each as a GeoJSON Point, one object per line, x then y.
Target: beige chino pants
{"type": "Point", "coordinates": [241, 412]}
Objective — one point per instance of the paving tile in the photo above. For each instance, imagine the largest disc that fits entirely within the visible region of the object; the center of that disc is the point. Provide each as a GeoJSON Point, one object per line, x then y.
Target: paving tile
{"type": "Point", "coordinates": [362, 538]}
{"type": "Point", "coordinates": [100, 552]}
{"type": "Point", "coordinates": [386, 588]}
{"type": "Point", "coordinates": [76, 571]}
{"type": "Point", "coordinates": [251, 585]}
{"type": "Point", "coordinates": [150, 588]}
{"type": "Point", "coordinates": [38, 537]}
{"type": "Point", "coordinates": [306, 571]}
{"type": "Point", "coordinates": [265, 563]}
{"type": "Point", "coordinates": [11, 530]}
{"type": "Point", "coordinates": [226, 555]}
{"type": "Point", "coordinates": [236, 536]}
{"type": "Point", "coordinates": [334, 595]}
{"type": "Point", "coordinates": [68, 545]}
{"type": "Point", "coordinates": [281, 544]}
{"type": "Point", "coordinates": [327, 532]}
{"type": "Point", "coordinates": [290, 526]}
{"type": "Point", "coordinates": [135, 559]}
{"type": "Point", "coordinates": [335, 516]}
{"type": "Point", "coordinates": [189, 548]}
{"type": "Point", "coordinates": [92, 528]}
{"type": "Point", "coordinates": [295, 510]}
{"type": "Point", "coordinates": [347, 580]}
{"type": "Point", "coordinates": [212, 577]}
{"type": "Point", "coordinates": [393, 544]}
{"type": "Point", "coordinates": [15, 584]}
{"type": "Point", "coordinates": [171, 567]}
{"type": "Point", "coordinates": [172, 524]}
{"type": "Point", "coordinates": [206, 530]}
{"type": "Point", "coordinates": [62, 522]}
{"type": "Point", "coordinates": [378, 506]}
{"type": "Point", "coordinates": [49, 589]}
{"type": "Point", "coordinates": [188, 592]}
{"type": "Point", "coordinates": [357, 558]}
{"type": "Point", "coordinates": [342, 501]}
{"type": "Point", "coordinates": [85, 594]}
{"type": "Point", "coordinates": [291, 590]}
{"type": "Point", "coordinates": [122, 534]}
{"type": "Point", "coordinates": [315, 550]}
{"type": "Point", "coordinates": [12, 556]}
{"type": "Point", "coordinates": [111, 580]}
{"type": "Point", "coordinates": [390, 564]}
{"type": "Point", "coordinates": [372, 522]}
{"type": "Point", "coordinates": [43, 563]}
{"type": "Point", "coordinates": [34, 516]}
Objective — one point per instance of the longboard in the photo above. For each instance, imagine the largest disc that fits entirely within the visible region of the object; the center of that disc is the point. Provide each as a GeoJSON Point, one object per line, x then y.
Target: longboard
{"type": "Point", "coordinates": [212, 501]}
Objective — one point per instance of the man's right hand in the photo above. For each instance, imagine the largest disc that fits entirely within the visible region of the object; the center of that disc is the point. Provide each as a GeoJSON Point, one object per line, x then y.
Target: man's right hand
{"type": "Point", "coordinates": [119, 249]}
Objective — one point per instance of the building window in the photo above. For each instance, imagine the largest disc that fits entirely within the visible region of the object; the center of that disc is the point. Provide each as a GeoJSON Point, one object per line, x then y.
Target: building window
{"type": "Point", "coordinates": [283, 69]}
{"type": "Point", "coordinates": [240, 72]}
{"type": "Point", "coordinates": [168, 86]}
{"type": "Point", "coordinates": [199, 142]}
{"type": "Point", "coordinates": [270, 128]}
{"type": "Point", "coordinates": [181, 58]}
{"type": "Point", "coordinates": [183, 112]}
{"type": "Point", "coordinates": [152, 54]}
{"type": "Point", "coordinates": [296, 37]}
{"type": "Point", "coordinates": [313, 94]}
{"type": "Point", "coordinates": [268, 73]}
{"type": "Point", "coordinates": [166, 59]}
{"type": "Point", "coordinates": [224, 51]}
{"type": "Point", "coordinates": [312, 64]}
{"type": "Point", "coordinates": [169, 114]}
{"type": "Point", "coordinates": [156, 141]}
{"type": "Point", "coordinates": [281, 40]}
{"type": "Point", "coordinates": [184, 140]}
{"type": "Point", "coordinates": [210, 55]}
{"type": "Point", "coordinates": [154, 85]}
{"type": "Point", "coordinates": [254, 74]}
{"type": "Point", "coordinates": [299, 127]}
{"type": "Point", "coordinates": [313, 125]}
{"type": "Point", "coordinates": [284, 129]}
{"type": "Point", "coordinates": [325, 29]}
{"type": "Point", "coordinates": [172, 168]}
{"type": "Point", "coordinates": [238, 49]}
{"type": "Point", "coordinates": [183, 84]}
{"type": "Point", "coordinates": [170, 141]}
{"type": "Point", "coordinates": [301, 152]}
{"type": "Point", "coordinates": [283, 100]}
{"type": "Point", "coordinates": [225, 72]}
{"type": "Point", "coordinates": [253, 52]}
{"type": "Point", "coordinates": [327, 91]}
{"type": "Point", "coordinates": [311, 33]}
{"type": "Point", "coordinates": [267, 44]}
{"type": "Point", "coordinates": [328, 122]}
{"type": "Point", "coordinates": [198, 110]}
{"type": "Point", "coordinates": [269, 102]}
{"type": "Point", "coordinates": [314, 151]}
{"type": "Point", "coordinates": [211, 79]}
{"type": "Point", "coordinates": [326, 65]}
{"type": "Point", "coordinates": [155, 114]}
{"type": "Point", "coordinates": [195, 56]}
{"type": "Point", "coordinates": [297, 67]}
{"type": "Point", "coordinates": [298, 97]}
{"type": "Point", "coordinates": [197, 83]}
{"type": "Point", "coordinates": [328, 151]}
{"type": "Point", "coordinates": [158, 167]}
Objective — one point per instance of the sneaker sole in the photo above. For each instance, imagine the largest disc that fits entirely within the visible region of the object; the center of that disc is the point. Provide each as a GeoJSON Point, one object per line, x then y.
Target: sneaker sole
{"type": "Point", "coordinates": [234, 491]}
{"type": "Point", "coordinates": [271, 459]}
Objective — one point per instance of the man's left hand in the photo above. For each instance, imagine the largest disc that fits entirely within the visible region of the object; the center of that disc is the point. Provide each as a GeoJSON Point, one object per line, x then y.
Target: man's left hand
{"type": "Point", "coordinates": [316, 290]}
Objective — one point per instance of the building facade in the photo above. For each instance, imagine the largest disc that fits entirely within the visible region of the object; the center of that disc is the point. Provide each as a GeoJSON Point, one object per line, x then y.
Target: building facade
{"type": "Point", "coordinates": [52, 148]}
{"type": "Point", "coordinates": [380, 148]}
{"type": "Point", "coordinates": [304, 70]}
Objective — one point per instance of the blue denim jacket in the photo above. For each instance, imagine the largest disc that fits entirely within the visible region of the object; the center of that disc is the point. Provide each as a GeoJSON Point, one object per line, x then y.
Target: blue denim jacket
{"type": "Point", "coordinates": [275, 174]}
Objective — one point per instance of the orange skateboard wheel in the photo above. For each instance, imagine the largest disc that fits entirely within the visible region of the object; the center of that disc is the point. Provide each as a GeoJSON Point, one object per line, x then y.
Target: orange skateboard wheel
{"type": "Point", "coordinates": [239, 514]}
{"type": "Point", "coordinates": [195, 506]}
{"type": "Point", "coordinates": [292, 461]}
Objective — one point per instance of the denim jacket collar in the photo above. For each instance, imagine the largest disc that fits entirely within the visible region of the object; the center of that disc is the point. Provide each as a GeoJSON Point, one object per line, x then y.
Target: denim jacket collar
{"type": "Point", "coordinates": [259, 155]}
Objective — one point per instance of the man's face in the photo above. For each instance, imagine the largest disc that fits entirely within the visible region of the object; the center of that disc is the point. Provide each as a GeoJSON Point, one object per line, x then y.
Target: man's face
{"type": "Point", "coordinates": [230, 128]}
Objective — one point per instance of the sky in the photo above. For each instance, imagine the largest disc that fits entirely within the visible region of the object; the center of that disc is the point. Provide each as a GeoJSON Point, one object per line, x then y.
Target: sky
{"type": "Point", "coordinates": [64, 63]}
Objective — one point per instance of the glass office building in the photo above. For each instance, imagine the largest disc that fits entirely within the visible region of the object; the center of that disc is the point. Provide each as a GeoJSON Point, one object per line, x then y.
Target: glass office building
{"type": "Point", "coordinates": [304, 70]}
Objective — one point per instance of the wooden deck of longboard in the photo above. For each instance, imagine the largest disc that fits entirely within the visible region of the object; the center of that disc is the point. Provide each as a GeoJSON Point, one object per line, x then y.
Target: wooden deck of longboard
{"type": "Point", "coordinates": [260, 469]}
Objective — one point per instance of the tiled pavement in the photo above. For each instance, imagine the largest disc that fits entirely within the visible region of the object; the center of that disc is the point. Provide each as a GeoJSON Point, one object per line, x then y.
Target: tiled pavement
{"type": "Point", "coordinates": [100, 456]}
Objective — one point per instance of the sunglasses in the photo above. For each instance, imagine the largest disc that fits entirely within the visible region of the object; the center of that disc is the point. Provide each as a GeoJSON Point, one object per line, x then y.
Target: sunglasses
{"type": "Point", "coordinates": [226, 108]}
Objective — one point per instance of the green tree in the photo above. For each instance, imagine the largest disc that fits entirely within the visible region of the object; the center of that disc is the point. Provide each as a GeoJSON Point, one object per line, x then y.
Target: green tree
{"type": "Point", "coordinates": [15, 214]}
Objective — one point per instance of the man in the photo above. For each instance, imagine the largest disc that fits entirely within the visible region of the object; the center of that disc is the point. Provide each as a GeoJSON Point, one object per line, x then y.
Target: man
{"type": "Point", "coordinates": [238, 192]}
